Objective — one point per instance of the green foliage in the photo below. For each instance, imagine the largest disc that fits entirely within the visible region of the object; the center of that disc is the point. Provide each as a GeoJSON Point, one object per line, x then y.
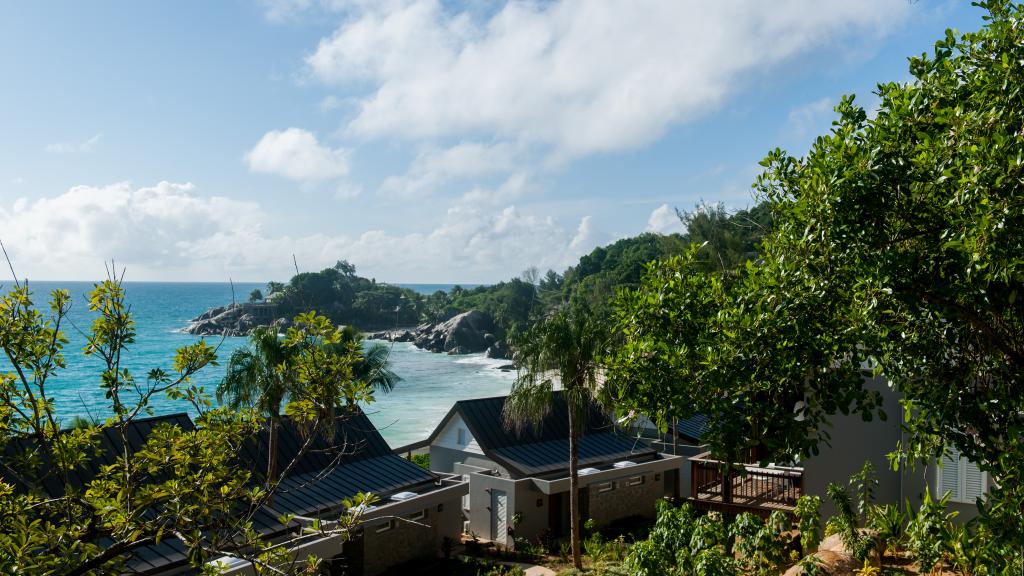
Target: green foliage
{"type": "Point", "coordinates": [864, 483]}
{"type": "Point", "coordinates": [345, 298]}
{"type": "Point", "coordinates": [567, 345]}
{"type": "Point", "coordinates": [185, 484]}
{"type": "Point", "coordinates": [845, 523]}
{"type": "Point", "coordinates": [760, 546]}
{"type": "Point", "coordinates": [929, 532]}
{"type": "Point", "coordinates": [808, 513]}
{"type": "Point", "coordinates": [256, 295]}
{"type": "Point", "coordinates": [912, 219]}
{"type": "Point", "coordinates": [421, 460]}
{"type": "Point", "coordinates": [889, 523]}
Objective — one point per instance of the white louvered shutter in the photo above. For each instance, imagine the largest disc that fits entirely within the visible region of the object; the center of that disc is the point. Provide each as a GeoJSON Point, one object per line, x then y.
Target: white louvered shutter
{"type": "Point", "coordinates": [962, 479]}
{"type": "Point", "coordinates": [974, 482]}
{"type": "Point", "coordinates": [949, 477]}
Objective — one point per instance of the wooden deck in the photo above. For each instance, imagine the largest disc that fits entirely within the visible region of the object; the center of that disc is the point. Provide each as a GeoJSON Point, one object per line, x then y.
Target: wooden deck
{"type": "Point", "coordinates": [748, 489]}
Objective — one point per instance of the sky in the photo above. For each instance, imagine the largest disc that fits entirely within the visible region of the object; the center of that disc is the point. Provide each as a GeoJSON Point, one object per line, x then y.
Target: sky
{"type": "Point", "coordinates": [421, 140]}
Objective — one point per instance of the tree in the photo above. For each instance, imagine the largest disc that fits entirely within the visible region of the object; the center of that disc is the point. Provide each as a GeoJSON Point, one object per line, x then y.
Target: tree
{"type": "Point", "coordinates": [725, 344]}
{"type": "Point", "coordinates": [374, 365]}
{"type": "Point", "coordinates": [256, 295]}
{"type": "Point", "coordinates": [180, 483]}
{"type": "Point", "coordinates": [921, 209]}
{"type": "Point", "coordinates": [261, 376]}
{"type": "Point", "coordinates": [564, 349]}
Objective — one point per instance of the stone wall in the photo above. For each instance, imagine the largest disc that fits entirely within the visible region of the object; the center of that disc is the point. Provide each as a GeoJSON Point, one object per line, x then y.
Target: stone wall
{"type": "Point", "coordinates": [624, 500]}
{"type": "Point", "coordinates": [407, 540]}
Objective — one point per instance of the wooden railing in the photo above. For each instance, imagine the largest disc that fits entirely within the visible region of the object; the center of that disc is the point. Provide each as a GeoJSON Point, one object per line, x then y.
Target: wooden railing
{"type": "Point", "coordinates": [747, 487]}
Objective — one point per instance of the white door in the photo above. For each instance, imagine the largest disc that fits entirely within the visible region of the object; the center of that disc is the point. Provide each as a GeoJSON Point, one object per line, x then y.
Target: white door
{"type": "Point", "coordinates": [499, 524]}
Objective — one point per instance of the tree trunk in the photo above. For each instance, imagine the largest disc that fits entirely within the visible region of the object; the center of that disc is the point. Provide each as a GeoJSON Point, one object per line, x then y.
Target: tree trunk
{"type": "Point", "coordinates": [574, 500]}
{"type": "Point", "coordinates": [272, 457]}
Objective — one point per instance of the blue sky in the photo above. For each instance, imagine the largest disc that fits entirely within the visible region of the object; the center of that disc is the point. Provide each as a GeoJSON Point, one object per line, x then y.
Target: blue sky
{"type": "Point", "coordinates": [423, 141]}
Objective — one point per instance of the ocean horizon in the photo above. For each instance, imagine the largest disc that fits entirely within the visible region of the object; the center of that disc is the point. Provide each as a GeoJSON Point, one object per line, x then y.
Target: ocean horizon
{"type": "Point", "coordinates": [430, 382]}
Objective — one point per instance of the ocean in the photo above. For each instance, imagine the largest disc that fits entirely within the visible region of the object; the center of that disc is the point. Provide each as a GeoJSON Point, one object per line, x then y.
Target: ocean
{"type": "Point", "coordinates": [430, 384]}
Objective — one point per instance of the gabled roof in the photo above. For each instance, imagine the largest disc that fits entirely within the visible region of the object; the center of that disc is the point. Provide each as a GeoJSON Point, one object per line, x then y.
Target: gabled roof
{"type": "Point", "coordinates": [357, 459]}
{"type": "Point", "coordinates": [543, 449]}
{"type": "Point", "coordinates": [693, 428]}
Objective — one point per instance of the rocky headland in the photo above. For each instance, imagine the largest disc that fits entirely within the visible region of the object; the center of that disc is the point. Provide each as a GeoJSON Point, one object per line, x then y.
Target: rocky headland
{"type": "Point", "coordinates": [467, 333]}
{"type": "Point", "coordinates": [235, 320]}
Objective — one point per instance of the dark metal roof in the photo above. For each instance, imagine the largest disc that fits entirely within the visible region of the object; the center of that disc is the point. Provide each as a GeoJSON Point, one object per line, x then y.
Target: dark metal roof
{"type": "Point", "coordinates": [543, 449]}
{"type": "Point", "coordinates": [356, 459]}
{"type": "Point", "coordinates": [541, 458]}
{"type": "Point", "coordinates": [693, 428]}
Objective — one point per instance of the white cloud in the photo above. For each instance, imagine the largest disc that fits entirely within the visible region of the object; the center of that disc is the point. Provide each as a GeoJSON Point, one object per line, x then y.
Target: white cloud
{"type": "Point", "coordinates": [810, 119]}
{"type": "Point", "coordinates": [664, 220]}
{"type": "Point", "coordinates": [170, 232]}
{"type": "Point", "coordinates": [296, 154]}
{"type": "Point", "coordinates": [434, 167]}
{"type": "Point", "coordinates": [70, 147]}
{"type": "Point", "coordinates": [575, 76]}
{"type": "Point", "coordinates": [151, 228]}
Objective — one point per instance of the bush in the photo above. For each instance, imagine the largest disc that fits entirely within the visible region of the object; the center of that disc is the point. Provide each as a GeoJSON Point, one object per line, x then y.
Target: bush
{"type": "Point", "coordinates": [808, 513]}
{"type": "Point", "coordinates": [845, 524]}
{"type": "Point", "coordinates": [929, 531]}
{"type": "Point", "coordinates": [421, 460]}
{"type": "Point", "coordinates": [888, 523]}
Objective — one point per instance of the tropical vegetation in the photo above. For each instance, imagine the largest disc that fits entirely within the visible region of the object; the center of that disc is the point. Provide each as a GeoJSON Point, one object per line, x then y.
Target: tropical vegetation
{"type": "Point", "coordinates": [183, 483]}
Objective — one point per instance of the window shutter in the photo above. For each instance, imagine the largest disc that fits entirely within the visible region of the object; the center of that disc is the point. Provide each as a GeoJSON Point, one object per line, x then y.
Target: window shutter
{"type": "Point", "coordinates": [974, 482]}
{"type": "Point", "coordinates": [949, 476]}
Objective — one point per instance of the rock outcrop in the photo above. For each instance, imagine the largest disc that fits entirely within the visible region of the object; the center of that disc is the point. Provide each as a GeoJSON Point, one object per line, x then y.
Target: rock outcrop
{"type": "Point", "coordinates": [467, 333]}
{"type": "Point", "coordinates": [462, 334]}
{"type": "Point", "coordinates": [233, 320]}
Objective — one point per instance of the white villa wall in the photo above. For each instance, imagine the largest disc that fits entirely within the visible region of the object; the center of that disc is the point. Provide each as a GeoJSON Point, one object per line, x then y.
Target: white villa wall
{"type": "Point", "coordinates": [449, 437]}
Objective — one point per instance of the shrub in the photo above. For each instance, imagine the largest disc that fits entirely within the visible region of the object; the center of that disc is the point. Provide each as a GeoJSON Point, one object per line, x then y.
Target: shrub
{"type": "Point", "coordinates": [421, 460]}
{"type": "Point", "coordinates": [929, 531]}
{"type": "Point", "coordinates": [888, 523]}
{"type": "Point", "coordinates": [808, 513]}
{"type": "Point", "coordinates": [646, 558]}
{"type": "Point", "coordinates": [845, 524]}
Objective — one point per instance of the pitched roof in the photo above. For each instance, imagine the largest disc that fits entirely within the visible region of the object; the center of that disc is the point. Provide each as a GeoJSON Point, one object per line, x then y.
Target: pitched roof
{"type": "Point", "coordinates": [356, 459]}
{"type": "Point", "coordinates": [693, 428]}
{"type": "Point", "coordinates": [543, 449]}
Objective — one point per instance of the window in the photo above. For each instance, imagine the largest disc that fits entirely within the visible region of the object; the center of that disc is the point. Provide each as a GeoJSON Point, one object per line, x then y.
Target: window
{"type": "Point", "coordinates": [605, 487]}
{"type": "Point", "coordinates": [962, 479]}
{"type": "Point", "coordinates": [419, 515]}
{"type": "Point", "coordinates": [635, 480]}
{"type": "Point", "coordinates": [385, 526]}
{"type": "Point", "coordinates": [462, 436]}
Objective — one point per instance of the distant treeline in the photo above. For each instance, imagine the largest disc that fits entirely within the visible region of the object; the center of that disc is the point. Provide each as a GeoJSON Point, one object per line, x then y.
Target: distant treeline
{"type": "Point", "coordinates": [729, 239]}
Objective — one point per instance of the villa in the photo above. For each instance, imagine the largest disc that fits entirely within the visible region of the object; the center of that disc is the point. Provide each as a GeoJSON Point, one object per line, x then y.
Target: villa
{"type": "Point", "coordinates": [764, 489]}
{"type": "Point", "coordinates": [415, 512]}
{"type": "Point", "coordinates": [519, 479]}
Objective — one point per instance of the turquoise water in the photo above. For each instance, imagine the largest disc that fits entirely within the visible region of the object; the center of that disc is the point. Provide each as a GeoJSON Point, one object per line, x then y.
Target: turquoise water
{"type": "Point", "coordinates": [431, 382]}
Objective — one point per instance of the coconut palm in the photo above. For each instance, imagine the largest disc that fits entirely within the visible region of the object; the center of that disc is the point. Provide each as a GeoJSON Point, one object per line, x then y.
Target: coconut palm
{"type": "Point", "coordinates": [374, 367]}
{"type": "Point", "coordinates": [565, 347]}
{"type": "Point", "coordinates": [259, 376]}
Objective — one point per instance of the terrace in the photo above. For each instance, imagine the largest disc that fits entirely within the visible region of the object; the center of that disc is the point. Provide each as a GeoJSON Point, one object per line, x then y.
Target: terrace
{"type": "Point", "coordinates": [747, 488]}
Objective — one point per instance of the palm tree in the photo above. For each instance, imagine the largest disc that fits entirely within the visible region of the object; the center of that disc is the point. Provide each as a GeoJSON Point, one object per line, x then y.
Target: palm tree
{"type": "Point", "coordinates": [258, 376]}
{"type": "Point", "coordinates": [564, 347]}
{"type": "Point", "coordinates": [374, 366]}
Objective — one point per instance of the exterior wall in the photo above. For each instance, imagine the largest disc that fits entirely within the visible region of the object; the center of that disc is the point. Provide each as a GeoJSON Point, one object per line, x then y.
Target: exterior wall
{"type": "Point", "coordinates": [853, 442]}
{"type": "Point", "coordinates": [519, 499]}
{"type": "Point", "coordinates": [444, 459]}
{"type": "Point", "coordinates": [449, 437]}
{"type": "Point", "coordinates": [625, 500]}
{"type": "Point", "coordinates": [409, 540]}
